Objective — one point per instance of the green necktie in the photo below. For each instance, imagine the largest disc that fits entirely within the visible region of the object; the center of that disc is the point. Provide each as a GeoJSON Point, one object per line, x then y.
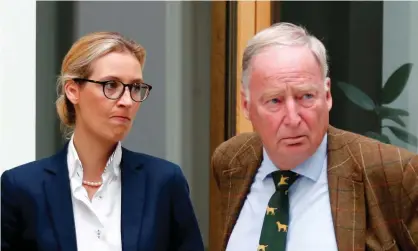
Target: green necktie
{"type": "Point", "coordinates": [276, 219]}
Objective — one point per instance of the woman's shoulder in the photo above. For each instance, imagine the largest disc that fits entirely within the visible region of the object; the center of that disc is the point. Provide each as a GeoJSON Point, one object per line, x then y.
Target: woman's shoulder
{"type": "Point", "coordinates": [148, 160]}
{"type": "Point", "coordinates": [29, 167]}
{"type": "Point", "coordinates": [25, 175]}
{"type": "Point", "coordinates": [152, 164]}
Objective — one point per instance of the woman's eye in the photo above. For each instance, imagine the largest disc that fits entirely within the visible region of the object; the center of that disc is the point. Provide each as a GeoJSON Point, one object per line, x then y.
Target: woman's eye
{"type": "Point", "coordinates": [136, 87]}
{"type": "Point", "coordinates": [111, 85]}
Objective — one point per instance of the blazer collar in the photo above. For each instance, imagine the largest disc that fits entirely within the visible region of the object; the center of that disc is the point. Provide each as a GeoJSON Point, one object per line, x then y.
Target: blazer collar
{"type": "Point", "coordinates": [134, 185]}
{"type": "Point", "coordinates": [239, 176]}
{"type": "Point", "coordinates": [58, 195]}
{"type": "Point", "coordinates": [346, 189]}
{"type": "Point", "coordinates": [59, 199]}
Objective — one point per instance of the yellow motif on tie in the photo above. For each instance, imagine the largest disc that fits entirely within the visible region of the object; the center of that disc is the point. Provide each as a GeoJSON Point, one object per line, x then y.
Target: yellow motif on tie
{"type": "Point", "coordinates": [270, 210]}
{"type": "Point", "coordinates": [281, 227]}
{"type": "Point", "coordinates": [262, 247]}
{"type": "Point", "coordinates": [283, 181]}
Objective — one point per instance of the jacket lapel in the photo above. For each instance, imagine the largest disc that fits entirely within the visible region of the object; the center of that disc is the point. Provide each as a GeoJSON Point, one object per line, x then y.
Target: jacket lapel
{"type": "Point", "coordinates": [133, 196]}
{"type": "Point", "coordinates": [346, 189]}
{"type": "Point", "coordinates": [58, 196]}
{"type": "Point", "coordinates": [238, 179]}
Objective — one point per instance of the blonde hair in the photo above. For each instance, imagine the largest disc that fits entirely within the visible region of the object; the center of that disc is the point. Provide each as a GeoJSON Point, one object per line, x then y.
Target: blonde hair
{"type": "Point", "coordinates": [77, 64]}
{"type": "Point", "coordinates": [282, 34]}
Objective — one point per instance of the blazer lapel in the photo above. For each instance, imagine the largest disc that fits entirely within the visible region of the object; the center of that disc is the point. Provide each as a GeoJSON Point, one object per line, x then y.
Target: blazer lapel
{"type": "Point", "coordinates": [238, 178]}
{"type": "Point", "coordinates": [133, 196]}
{"type": "Point", "coordinates": [346, 190]}
{"type": "Point", "coordinates": [58, 196]}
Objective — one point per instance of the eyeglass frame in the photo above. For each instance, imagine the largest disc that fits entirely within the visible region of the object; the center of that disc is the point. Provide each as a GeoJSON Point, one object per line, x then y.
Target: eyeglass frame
{"type": "Point", "coordinates": [104, 82]}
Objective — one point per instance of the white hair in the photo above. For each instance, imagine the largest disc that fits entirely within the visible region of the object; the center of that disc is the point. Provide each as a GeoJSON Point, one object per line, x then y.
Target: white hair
{"type": "Point", "coordinates": [282, 34]}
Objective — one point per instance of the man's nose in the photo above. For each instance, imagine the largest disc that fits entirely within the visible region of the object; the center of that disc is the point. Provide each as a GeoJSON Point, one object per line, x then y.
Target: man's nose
{"type": "Point", "coordinates": [292, 117]}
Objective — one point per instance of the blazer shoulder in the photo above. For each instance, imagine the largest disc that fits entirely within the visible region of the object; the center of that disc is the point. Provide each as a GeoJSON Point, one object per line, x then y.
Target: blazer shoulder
{"type": "Point", "coordinates": [153, 164]}
{"type": "Point", "coordinates": [233, 145]}
{"type": "Point", "coordinates": [373, 147]}
{"type": "Point", "coordinates": [229, 149]}
{"type": "Point", "coordinates": [28, 169]}
{"type": "Point", "coordinates": [371, 153]}
{"type": "Point", "coordinates": [26, 177]}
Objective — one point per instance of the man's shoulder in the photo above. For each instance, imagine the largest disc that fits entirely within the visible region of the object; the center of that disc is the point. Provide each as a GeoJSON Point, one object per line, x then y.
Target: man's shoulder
{"type": "Point", "coordinates": [352, 139]}
{"type": "Point", "coordinates": [229, 148]}
{"type": "Point", "coordinates": [366, 150]}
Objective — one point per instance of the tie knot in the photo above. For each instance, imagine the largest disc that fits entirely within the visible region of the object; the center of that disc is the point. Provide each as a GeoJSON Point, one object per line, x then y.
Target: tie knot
{"type": "Point", "coordinates": [284, 179]}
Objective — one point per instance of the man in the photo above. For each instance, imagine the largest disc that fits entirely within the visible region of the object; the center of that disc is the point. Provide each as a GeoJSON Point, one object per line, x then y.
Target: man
{"type": "Point", "coordinates": [298, 183]}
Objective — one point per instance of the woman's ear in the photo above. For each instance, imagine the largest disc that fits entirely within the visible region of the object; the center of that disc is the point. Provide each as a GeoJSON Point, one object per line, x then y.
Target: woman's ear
{"type": "Point", "coordinates": [72, 91]}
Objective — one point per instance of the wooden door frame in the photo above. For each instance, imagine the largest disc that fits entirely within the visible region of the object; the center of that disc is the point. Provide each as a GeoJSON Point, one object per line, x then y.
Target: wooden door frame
{"type": "Point", "coordinates": [233, 24]}
{"type": "Point", "coordinates": [244, 19]}
{"type": "Point", "coordinates": [252, 17]}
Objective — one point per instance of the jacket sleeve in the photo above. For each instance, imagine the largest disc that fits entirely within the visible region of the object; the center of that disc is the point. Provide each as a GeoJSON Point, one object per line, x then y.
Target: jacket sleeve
{"type": "Point", "coordinates": [407, 203]}
{"type": "Point", "coordinates": [186, 232]}
{"type": "Point", "coordinates": [10, 214]}
{"type": "Point", "coordinates": [215, 228]}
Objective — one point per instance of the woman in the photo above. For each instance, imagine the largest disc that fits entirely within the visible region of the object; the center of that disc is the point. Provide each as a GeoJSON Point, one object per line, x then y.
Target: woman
{"type": "Point", "coordinates": [94, 194]}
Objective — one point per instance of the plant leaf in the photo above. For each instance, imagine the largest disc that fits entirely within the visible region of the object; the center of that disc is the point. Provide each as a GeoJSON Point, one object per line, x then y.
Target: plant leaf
{"type": "Point", "coordinates": [396, 119]}
{"type": "Point", "coordinates": [357, 96]}
{"type": "Point", "coordinates": [396, 83]}
{"type": "Point", "coordinates": [404, 135]}
{"type": "Point", "coordinates": [381, 137]}
{"type": "Point", "coordinates": [384, 111]}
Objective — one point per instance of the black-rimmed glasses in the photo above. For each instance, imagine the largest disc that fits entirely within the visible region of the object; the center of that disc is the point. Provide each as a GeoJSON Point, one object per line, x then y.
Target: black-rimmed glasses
{"type": "Point", "coordinates": [114, 89]}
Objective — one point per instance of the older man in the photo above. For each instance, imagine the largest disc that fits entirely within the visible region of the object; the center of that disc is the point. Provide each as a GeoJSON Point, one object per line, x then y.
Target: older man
{"type": "Point", "coordinates": [298, 183]}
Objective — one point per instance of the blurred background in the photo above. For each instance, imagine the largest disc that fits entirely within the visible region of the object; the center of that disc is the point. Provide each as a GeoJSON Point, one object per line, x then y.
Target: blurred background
{"type": "Point", "coordinates": [173, 123]}
{"type": "Point", "coordinates": [193, 63]}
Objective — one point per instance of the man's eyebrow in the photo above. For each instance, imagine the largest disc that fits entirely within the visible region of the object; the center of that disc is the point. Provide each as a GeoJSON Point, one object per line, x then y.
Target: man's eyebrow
{"type": "Point", "coordinates": [272, 92]}
{"type": "Point", "coordinates": [305, 88]}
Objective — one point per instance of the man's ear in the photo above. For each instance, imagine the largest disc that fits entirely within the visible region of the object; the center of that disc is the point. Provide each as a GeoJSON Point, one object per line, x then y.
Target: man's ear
{"type": "Point", "coordinates": [328, 95]}
{"type": "Point", "coordinates": [72, 91]}
{"type": "Point", "coordinates": [245, 102]}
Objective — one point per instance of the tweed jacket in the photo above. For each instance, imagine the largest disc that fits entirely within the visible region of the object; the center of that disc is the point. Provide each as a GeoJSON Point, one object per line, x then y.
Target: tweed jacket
{"type": "Point", "coordinates": [373, 189]}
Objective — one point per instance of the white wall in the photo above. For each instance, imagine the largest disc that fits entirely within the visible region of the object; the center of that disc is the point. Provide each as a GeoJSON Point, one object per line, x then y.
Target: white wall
{"type": "Point", "coordinates": [17, 82]}
{"type": "Point", "coordinates": [400, 45]}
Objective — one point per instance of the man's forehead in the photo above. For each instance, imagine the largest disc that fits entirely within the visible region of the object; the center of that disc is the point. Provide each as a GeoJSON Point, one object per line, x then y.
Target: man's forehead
{"type": "Point", "coordinates": [292, 84]}
{"type": "Point", "coordinates": [292, 62]}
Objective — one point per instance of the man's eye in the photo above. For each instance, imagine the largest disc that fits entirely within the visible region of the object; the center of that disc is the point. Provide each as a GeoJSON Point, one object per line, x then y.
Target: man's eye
{"type": "Point", "coordinates": [307, 96]}
{"type": "Point", "coordinates": [275, 101]}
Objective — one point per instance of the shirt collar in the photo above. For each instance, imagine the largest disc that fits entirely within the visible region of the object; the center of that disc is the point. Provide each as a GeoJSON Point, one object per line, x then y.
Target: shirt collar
{"type": "Point", "coordinates": [112, 165]}
{"type": "Point", "coordinates": [310, 168]}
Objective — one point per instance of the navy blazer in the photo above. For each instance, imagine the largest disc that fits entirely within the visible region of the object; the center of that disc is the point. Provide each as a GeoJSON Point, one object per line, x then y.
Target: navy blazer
{"type": "Point", "coordinates": [157, 214]}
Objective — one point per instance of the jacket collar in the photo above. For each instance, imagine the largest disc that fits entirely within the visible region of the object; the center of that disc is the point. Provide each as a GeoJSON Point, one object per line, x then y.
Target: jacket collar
{"type": "Point", "coordinates": [344, 182]}
{"type": "Point", "coordinates": [59, 198]}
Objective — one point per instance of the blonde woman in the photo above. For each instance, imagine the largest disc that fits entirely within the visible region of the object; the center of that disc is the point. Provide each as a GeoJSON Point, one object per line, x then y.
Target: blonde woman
{"type": "Point", "coordinates": [94, 194]}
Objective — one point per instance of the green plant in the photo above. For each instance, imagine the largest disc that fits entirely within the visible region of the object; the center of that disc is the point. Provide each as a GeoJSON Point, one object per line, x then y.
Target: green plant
{"type": "Point", "coordinates": [389, 93]}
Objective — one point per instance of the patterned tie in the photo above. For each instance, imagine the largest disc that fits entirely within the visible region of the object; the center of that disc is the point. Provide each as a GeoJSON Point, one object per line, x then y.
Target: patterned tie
{"type": "Point", "coordinates": [276, 219]}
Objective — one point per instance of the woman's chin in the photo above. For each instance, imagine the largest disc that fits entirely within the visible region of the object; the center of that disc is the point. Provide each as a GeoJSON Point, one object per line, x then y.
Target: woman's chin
{"type": "Point", "coordinates": [117, 134]}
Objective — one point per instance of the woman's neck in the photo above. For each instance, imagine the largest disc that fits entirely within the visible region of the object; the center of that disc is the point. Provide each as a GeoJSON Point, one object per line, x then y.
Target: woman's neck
{"type": "Point", "coordinates": [93, 154]}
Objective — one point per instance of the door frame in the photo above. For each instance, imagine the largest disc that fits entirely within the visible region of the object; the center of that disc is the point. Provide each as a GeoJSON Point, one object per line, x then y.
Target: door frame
{"type": "Point", "coordinates": [233, 24]}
